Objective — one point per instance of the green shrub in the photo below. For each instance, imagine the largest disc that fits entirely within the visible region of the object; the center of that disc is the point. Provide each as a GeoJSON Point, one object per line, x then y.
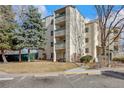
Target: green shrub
{"type": "Point", "coordinates": [86, 59]}
{"type": "Point", "coordinates": [120, 59]}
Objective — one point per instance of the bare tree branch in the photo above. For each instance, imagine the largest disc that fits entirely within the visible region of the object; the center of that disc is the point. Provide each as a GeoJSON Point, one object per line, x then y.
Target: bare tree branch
{"type": "Point", "coordinates": [108, 22]}
{"type": "Point", "coordinates": [114, 27]}
{"type": "Point", "coordinates": [120, 31]}
{"type": "Point", "coordinates": [115, 17]}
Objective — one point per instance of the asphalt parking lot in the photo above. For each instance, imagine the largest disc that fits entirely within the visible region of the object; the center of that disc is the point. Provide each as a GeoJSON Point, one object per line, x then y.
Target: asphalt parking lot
{"type": "Point", "coordinates": [62, 81]}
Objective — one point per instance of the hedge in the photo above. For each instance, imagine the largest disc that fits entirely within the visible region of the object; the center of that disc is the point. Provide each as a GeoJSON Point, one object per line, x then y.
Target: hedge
{"type": "Point", "coordinates": [120, 59]}
{"type": "Point", "coordinates": [86, 59]}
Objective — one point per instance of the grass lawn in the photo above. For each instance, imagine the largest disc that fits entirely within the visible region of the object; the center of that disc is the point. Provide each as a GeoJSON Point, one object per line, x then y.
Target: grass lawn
{"type": "Point", "coordinates": [36, 67]}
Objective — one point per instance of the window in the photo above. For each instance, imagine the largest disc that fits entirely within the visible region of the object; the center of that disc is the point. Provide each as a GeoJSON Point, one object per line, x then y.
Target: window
{"type": "Point", "coordinates": [86, 29]}
{"type": "Point", "coordinates": [116, 48]}
{"type": "Point", "coordinates": [51, 21]}
{"type": "Point", "coordinates": [51, 44]}
{"type": "Point", "coordinates": [51, 33]}
{"type": "Point", "coordinates": [86, 50]}
{"type": "Point", "coordinates": [86, 40]}
{"type": "Point", "coordinates": [64, 40]}
{"type": "Point", "coordinates": [51, 55]}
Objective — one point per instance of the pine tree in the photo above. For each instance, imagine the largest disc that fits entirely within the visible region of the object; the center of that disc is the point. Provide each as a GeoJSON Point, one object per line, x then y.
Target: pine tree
{"type": "Point", "coordinates": [33, 30]}
{"type": "Point", "coordinates": [7, 25]}
{"type": "Point", "coordinates": [18, 41]}
{"type": "Point", "coordinates": [18, 37]}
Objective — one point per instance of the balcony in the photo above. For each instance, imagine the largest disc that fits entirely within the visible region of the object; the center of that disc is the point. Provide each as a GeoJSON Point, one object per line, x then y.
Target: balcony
{"type": "Point", "coordinates": [60, 45]}
{"type": "Point", "coordinates": [60, 32]}
{"type": "Point", "coordinates": [116, 42]}
{"type": "Point", "coordinates": [60, 18]}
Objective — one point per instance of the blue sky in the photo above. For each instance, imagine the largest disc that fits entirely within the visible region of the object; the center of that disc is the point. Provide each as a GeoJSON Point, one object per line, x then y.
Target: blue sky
{"type": "Point", "coordinates": [88, 11]}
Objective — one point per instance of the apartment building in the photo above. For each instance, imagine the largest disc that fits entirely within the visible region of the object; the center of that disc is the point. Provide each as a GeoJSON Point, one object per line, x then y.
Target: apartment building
{"type": "Point", "coordinates": [64, 35]}
{"type": "Point", "coordinates": [68, 36]}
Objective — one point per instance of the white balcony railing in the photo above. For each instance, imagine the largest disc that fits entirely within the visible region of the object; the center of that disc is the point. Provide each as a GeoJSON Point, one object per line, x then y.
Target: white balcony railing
{"type": "Point", "coordinates": [60, 45]}
{"type": "Point", "coordinates": [60, 19]}
{"type": "Point", "coordinates": [59, 32]}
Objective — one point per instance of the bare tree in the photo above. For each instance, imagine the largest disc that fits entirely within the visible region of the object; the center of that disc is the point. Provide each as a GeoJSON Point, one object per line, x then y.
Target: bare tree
{"type": "Point", "coordinates": [77, 36]}
{"type": "Point", "coordinates": [109, 20]}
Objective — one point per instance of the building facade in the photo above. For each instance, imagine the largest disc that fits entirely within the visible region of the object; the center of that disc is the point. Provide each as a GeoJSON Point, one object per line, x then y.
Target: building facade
{"type": "Point", "coordinates": [68, 36]}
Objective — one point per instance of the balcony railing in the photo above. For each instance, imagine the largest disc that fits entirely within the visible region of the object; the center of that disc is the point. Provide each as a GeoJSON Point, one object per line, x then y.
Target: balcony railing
{"type": "Point", "coordinates": [60, 45]}
{"type": "Point", "coordinates": [60, 29]}
{"type": "Point", "coordinates": [60, 32]}
{"type": "Point", "coordinates": [60, 18]}
{"type": "Point", "coordinates": [60, 15]}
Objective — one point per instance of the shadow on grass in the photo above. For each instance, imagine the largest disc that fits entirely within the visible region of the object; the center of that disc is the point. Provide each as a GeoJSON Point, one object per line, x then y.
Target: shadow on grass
{"type": "Point", "coordinates": [114, 74]}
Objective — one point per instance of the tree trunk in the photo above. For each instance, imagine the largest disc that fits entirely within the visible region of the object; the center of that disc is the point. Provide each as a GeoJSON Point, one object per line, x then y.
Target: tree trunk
{"type": "Point", "coordinates": [105, 57]}
{"type": "Point", "coordinates": [105, 54]}
{"type": "Point", "coordinates": [20, 57]}
{"type": "Point", "coordinates": [3, 56]}
{"type": "Point", "coordinates": [28, 55]}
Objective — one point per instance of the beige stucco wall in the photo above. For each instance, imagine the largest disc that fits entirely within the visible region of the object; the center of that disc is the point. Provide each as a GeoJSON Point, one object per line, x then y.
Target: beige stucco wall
{"type": "Point", "coordinates": [74, 33]}
{"type": "Point", "coordinates": [49, 38]}
{"type": "Point", "coordinates": [92, 34]}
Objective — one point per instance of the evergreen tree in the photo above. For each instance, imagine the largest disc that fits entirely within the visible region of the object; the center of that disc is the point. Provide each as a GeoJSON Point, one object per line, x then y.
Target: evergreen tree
{"type": "Point", "coordinates": [18, 41]}
{"type": "Point", "coordinates": [7, 25]}
{"type": "Point", "coordinates": [33, 30]}
{"type": "Point", "coordinates": [18, 37]}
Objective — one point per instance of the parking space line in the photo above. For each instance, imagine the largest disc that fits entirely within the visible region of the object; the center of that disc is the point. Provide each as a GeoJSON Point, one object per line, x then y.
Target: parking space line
{"type": "Point", "coordinates": [21, 78]}
{"type": "Point", "coordinates": [76, 79]}
{"type": "Point", "coordinates": [1, 79]}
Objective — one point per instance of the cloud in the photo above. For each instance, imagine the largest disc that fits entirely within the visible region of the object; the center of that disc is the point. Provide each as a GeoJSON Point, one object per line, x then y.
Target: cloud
{"type": "Point", "coordinates": [42, 9]}
{"type": "Point", "coordinates": [17, 8]}
{"type": "Point", "coordinates": [87, 20]}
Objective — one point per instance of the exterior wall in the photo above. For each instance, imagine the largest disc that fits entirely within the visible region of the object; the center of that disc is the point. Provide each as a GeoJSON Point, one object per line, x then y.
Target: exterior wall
{"type": "Point", "coordinates": [49, 27]}
{"type": "Point", "coordinates": [74, 34]}
{"type": "Point", "coordinates": [67, 36]}
{"type": "Point", "coordinates": [93, 41]}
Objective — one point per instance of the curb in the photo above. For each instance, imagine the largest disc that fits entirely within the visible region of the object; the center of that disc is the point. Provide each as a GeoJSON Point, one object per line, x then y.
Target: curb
{"type": "Point", "coordinates": [84, 73]}
{"type": "Point", "coordinates": [46, 75]}
{"type": "Point", "coordinates": [68, 73]}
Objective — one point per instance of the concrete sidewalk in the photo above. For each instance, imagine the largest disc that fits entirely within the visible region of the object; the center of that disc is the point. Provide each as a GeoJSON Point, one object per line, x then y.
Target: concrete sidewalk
{"type": "Point", "coordinates": [82, 70]}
